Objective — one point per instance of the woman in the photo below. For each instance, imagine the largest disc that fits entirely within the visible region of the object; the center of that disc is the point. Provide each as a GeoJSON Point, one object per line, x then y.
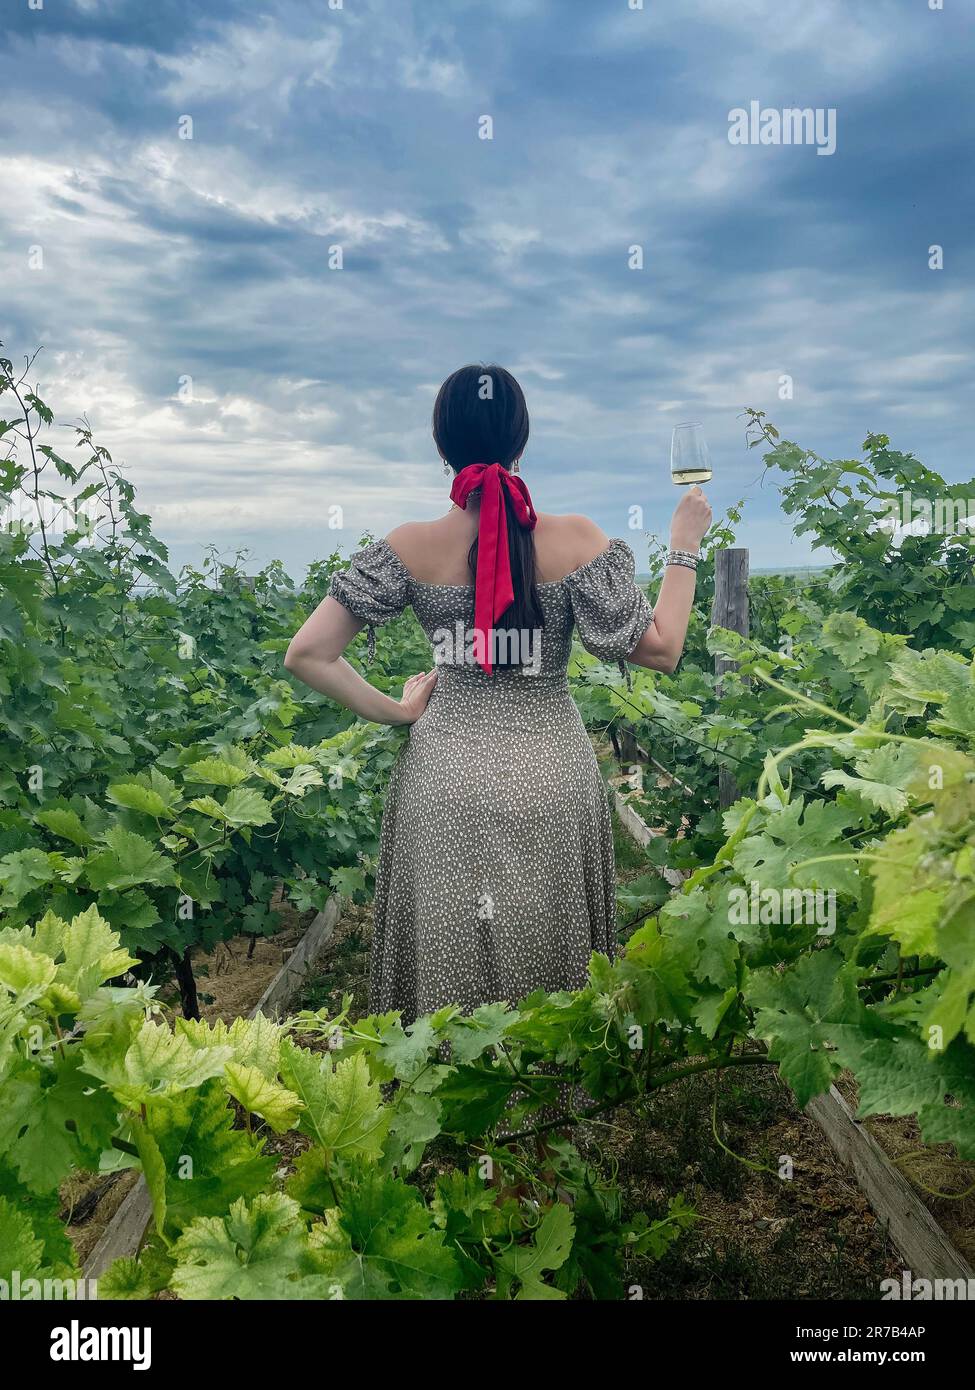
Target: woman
{"type": "Point", "coordinates": [496, 873]}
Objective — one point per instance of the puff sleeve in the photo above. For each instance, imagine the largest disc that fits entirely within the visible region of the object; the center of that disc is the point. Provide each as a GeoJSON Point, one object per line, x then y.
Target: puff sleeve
{"type": "Point", "coordinates": [611, 612]}
{"type": "Point", "coordinates": [374, 588]}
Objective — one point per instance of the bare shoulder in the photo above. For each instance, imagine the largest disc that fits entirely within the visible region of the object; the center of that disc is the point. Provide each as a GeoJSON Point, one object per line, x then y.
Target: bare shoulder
{"type": "Point", "coordinates": [578, 535]}
{"type": "Point", "coordinates": [565, 543]}
{"type": "Point", "coordinates": [586, 533]}
{"type": "Point", "coordinates": [435, 552]}
{"type": "Point", "coordinates": [409, 540]}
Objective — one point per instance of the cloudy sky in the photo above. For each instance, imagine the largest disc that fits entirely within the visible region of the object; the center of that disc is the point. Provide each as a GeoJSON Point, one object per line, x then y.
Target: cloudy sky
{"type": "Point", "coordinates": [186, 301]}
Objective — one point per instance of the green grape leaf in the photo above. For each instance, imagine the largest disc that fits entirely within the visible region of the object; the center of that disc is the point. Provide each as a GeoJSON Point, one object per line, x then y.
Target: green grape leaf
{"type": "Point", "coordinates": [65, 823]}
{"type": "Point", "coordinates": [347, 880]}
{"type": "Point", "coordinates": [92, 953]}
{"type": "Point", "coordinates": [128, 1278]}
{"type": "Point", "coordinates": [343, 1109]}
{"type": "Point", "coordinates": [383, 1244]}
{"type": "Point", "coordinates": [217, 772]}
{"type": "Point", "coordinates": [138, 798]}
{"type": "Point", "coordinates": [850, 638]}
{"type": "Point", "coordinates": [252, 1090]}
{"type": "Point", "coordinates": [643, 894]}
{"type": "Point", "coordinates": [154, 1172]}
{"type": "Point", "coordinates": [895, 1075]}
{"type": "Point", "coordinates": [797, 833]}
{"type": "Point", "coordinates": [301, 779]}
{"type": "Point", "coordinates": [21, 1253]}
{"type": "Point", "coordinates": [474, 1099]}
{"type": "Point", "coordinates": [128, 861]}
{"type": "Point", "coordinates": [891, 800]}
{"type": "Point", "coordinates": [522, 1266]}
{"type": "Point", "coordinates": [908, 900]}
{"type": "Point", "coordinates": [692, 938]}
{"type": "Point", "coordinates": [407, 1051]}
{"type": "Point", "coordinates": [952, 1120]}
{"type": "Point", "coordinates": [43, 1212]}
{"type": "Point", "coordinates": [257, 1251]}
{"type": "Point", "coordinates": [711, 1008]}
{"type": "Point", "coordinates": [53, 1121]}
{"type": "Point", "coordinates": [415, 1121]}
{"type": "Point", "coordinates": [156, 1062]}
{"type": "Point", "coordinates": [471, 1035]}
{"type": "Point", "coordinates": [206, 1163]}
{"type": "Point", "coordinates": [25, 973]}
{"type": "Point", "coordinates": [800, 1012]}
{"type": "Point", "coordinates": [21, 872]}
{"type": "Point", "coordinates": [643, 1236]}
{"type": "Point", "coordinates": [256, 1042]}
{"type": "Point", "coordinates": [243, 806]}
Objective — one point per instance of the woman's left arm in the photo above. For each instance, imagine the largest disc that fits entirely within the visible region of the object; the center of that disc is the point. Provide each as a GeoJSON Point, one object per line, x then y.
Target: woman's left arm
{"type": "Point", "coordinates": [662, 645]}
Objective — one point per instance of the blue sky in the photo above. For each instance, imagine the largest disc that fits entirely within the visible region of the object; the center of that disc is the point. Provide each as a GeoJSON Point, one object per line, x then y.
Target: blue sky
{"type": "Point", "coordinates": [311, 388]}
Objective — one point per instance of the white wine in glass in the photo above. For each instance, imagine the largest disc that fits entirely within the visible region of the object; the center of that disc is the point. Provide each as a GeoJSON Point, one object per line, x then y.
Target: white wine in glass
{"type": "Point", "coordinates": [690, 461]}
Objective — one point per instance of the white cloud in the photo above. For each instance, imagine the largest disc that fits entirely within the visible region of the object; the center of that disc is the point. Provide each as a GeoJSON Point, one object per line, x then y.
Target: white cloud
{"type": "Point", "coordinates": [255, 60]}
{"type": "Point", "coordinates": [418, 72]}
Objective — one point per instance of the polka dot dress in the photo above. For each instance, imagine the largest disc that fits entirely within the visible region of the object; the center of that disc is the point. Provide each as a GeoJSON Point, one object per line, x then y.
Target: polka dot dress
{"type": "Point", "coordinates": [496, 874]}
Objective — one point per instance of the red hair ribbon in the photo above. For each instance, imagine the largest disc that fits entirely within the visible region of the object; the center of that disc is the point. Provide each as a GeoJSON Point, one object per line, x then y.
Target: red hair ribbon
{"type": "Point", "coordinates": [493, 590]}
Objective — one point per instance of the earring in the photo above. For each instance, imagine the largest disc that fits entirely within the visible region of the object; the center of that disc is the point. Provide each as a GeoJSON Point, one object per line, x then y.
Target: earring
{"type": "Point", "coordinates": [446, 468]}
{"type": "Point", "coordinates": [514, 466]}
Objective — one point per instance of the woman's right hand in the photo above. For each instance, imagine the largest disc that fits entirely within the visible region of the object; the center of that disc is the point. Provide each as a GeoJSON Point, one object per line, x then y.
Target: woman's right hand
{"type": "Point", "coordinates": [416, 693]}
{"type": "Point", "coordinates": [691, 519]}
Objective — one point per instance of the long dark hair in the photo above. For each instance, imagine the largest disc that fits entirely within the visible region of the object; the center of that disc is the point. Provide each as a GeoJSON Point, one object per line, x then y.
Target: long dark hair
{"type": "Point", "coordinates": [480, 416]}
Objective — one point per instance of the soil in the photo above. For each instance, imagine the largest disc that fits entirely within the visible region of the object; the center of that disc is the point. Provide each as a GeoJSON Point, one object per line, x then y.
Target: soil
{"type": "Point", "coordinates": [91, 1200]}
{"type": "Point", "coordinates": [760, 1236]}
{"type": "Point", "coordinates": [232, 978]}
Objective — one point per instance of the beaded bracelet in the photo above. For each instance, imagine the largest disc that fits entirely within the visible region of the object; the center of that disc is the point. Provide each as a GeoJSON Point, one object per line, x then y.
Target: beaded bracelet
{"type": "Point", "coordinates": [687, 558]}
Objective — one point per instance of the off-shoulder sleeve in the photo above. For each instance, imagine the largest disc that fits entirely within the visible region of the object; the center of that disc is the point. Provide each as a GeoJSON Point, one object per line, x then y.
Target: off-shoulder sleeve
{"type": "Point", "coordinates": [374, 588]}
{"type": "Point", "coordinates": [611, 612]}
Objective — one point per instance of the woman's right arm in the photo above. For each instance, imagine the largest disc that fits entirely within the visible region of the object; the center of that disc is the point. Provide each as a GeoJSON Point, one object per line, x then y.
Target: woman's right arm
{"type": "Point", "coordinates": [314, 656]}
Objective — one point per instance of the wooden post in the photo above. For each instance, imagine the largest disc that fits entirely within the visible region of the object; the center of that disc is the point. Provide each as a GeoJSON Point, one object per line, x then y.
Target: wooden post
{"type": "Point", "coordinates": [730, 610]}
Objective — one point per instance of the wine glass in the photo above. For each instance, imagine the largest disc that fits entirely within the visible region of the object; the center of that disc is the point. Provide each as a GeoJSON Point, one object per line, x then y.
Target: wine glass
{"type": "Point", "coordinates": [690, 461]}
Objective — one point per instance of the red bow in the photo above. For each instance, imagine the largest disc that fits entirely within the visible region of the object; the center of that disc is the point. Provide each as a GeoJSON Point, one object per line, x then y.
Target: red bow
{"type": "Point", "coordinates": [493, 590]}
